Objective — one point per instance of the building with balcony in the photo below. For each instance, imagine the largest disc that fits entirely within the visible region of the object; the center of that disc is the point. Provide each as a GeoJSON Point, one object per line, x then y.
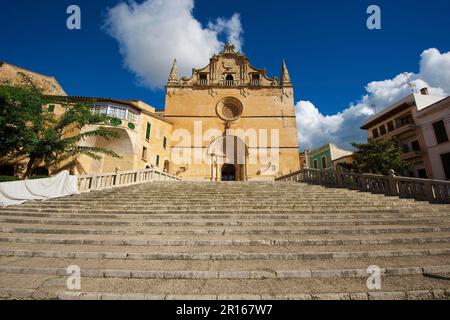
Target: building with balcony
{"type": "Point", "coordinates": [402, 123]}
{"type": "Point", "coordinates": [144, 135]}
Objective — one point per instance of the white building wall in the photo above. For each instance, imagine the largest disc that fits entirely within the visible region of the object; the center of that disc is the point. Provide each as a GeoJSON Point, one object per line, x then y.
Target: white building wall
{"type": "Point", "coordinates": [425, 119]}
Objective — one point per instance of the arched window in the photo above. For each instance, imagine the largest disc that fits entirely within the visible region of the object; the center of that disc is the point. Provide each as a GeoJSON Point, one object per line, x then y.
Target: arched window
{"type": "Point", "coordinates": [229, 77]}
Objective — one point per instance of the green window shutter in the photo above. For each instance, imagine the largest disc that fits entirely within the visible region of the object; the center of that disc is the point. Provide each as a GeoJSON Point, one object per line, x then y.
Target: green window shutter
{"type": "Point", "coordinates": [157, 160]}
{"type": "Point", "coordinates": [165, 143]}
{"type": "Point", "coordinates": [51, 108]}
{"type": "Point", "coordinates": [116, 122]}
{"type": "Point", "coordinates": [149, 129]}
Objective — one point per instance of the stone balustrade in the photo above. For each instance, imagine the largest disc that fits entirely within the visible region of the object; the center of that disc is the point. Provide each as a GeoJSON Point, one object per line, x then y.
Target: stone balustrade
{"type": "Point", "coordinates": [103, 181]}
{"type": "Point", "coordinates": [435, 191]}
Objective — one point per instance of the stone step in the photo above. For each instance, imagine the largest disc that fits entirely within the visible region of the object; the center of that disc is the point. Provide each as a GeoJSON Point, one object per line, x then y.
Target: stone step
{"type": "Point", "coordinates": [99, 230]}
{"type": "Point", "coordinates": [227, 206]}
{"type": "Point", "coordinates": [214, 216]}
{"type": "Point", "coordinates": [228, 265]}
{"type": "Point", "coordinates": [224, 253]}
{"type": "Point", "coordinates": [237, 274]}
{"type": "Point", "coordinates": [169, 210]}
{"type": "Point", "coordinates": [223, 222]}
{"type": "Point", "coordinates": [231, 241]}
{"type": "Point", "coordinates": [290, 248]}
{"type": "Point", "coordinates": [393, 287]}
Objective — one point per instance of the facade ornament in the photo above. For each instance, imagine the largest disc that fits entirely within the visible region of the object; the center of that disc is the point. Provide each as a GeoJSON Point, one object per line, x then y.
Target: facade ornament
{"type": "Point", "coordinates": [244, 92]}
{"type": "Point", "coordinates": [285, 77]}
{"type": "Point", "coordinates": [275, 83]}
{"type": "Point", "coordinates": [173, 76]}
{"type": "Point", "coordinates": [212, 92]}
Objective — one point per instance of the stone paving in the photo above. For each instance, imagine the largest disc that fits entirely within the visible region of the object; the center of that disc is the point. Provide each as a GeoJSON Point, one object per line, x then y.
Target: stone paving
{"type": "Point", "coordinates": [225, 241]}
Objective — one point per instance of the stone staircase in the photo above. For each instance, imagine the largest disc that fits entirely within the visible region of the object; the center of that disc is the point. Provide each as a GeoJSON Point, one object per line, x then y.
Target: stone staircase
{"type": "Point", "coordinates": [166, 240]}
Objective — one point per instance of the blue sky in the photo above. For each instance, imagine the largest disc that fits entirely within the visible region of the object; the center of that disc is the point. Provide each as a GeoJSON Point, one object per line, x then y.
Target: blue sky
{"type": "Point", "coordinates": [330, 53]}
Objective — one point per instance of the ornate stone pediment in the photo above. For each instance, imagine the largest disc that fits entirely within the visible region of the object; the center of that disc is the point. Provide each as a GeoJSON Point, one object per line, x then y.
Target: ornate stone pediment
{"type": "Point", "coordinates": [229, 68]}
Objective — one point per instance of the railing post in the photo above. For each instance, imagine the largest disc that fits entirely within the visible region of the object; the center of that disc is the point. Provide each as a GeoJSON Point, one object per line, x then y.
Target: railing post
{"type": "Point", "coordinates": [338, 174]}
{"type": "Point", "coordinates": [94, 182]}
{"type": "Point", "coordinates": [393, 190]}
{"type": "Point", "coordinates": [428, 189]}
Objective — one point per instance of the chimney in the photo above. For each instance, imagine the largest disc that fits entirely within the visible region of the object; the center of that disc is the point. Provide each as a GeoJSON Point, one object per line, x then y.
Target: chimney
{"type": "Point", "coordinates": [424, 91]}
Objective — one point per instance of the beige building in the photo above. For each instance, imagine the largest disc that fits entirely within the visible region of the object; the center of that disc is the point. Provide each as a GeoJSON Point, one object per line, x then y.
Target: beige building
{"type": "Point", "coordinates": [401, 123]}
{"type": "Point", "coordinates": [231, 121]}
{"type": "Point", "coordinates": [13, 75]}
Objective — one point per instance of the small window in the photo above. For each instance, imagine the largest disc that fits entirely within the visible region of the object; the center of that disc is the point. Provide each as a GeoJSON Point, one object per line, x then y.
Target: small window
{"type": "Point", "coordinates": [148, 132]}
{"type": "Point", "coordinates": [405, 148]}
{"type": "Point", "coordinates": [375, 133]}
{"type": "Point", "coordinates": [144, 153]}
{"type": "Point", "coordinates": [390, 126]}
{"type": "Point", "coordinates": [51, 108]}
{"type": "Point", "coordinates": [324, 162]}
{"type": "Point", "coordinates": [405, 120]}
{"type": "Point", "coordinates": [316, 165]}
{"type": "Point", "coordinates": [157, 160]}
{"type": "Point", "coordinates": [445, 158]}
{"type": "Point", "coordinates": [165, 143]}
{"type": "Point", "coordinates": [255, 76]}
{"type": "Point", "coordinates": [203, 77]}
{"type": "Point", "coordinates": [422, 173]}
{"type": "Point", "coordinates": [229, 77]}
{"type": "Point", "coordinates": [415, 145]}
{"type": "Point", "coordinates": [440, 132]}
{"type": "Point", "coordinates": [383, 130]}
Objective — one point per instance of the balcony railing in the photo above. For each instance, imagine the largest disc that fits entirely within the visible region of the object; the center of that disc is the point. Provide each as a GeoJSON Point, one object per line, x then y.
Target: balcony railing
{"type": "Point", "coordinates": [203, 82]}
{"type": "Point", "coordinates": [230, 83]}
{"type": "Point", "coordinates": [103, 181]}
{"type": "Point", "coordinates": [255, 82]}
{"type": "Point", "coordinates": [435, 191]}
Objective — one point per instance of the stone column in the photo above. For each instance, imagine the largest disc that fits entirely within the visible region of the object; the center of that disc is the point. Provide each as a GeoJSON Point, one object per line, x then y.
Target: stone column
{"type": "Point", "coordinates": [212, 167]}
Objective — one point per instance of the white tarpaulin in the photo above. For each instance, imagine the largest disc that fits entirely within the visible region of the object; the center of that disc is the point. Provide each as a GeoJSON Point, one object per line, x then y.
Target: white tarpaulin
{"type": "Point", "coordinates": [18, 192]}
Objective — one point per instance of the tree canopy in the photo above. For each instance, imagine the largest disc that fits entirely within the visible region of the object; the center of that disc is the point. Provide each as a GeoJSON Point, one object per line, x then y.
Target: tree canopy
{"type": "Point", "coordinates": [30, 131]}
{"type": "Point", "coordinates": [378, 157]}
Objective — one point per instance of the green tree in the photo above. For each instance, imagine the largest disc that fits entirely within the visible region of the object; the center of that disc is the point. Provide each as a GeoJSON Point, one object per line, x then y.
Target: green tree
{"type": "Point", "coordinates": [29, 130]}
{"type": "Point", "coordinates": [377, 156]}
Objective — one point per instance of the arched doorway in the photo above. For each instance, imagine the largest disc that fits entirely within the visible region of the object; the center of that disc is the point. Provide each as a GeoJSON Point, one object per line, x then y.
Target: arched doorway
{"type": "Point", "coordinates": [228, 156]}
{"type": "Point", "coordinates": [228, 172]}
{"type": "Point", "coordinates": [166, 166]}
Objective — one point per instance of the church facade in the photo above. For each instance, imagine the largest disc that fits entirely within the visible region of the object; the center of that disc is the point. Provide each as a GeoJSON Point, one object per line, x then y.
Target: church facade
{"type": "Point", "coordinates": [231, 121]}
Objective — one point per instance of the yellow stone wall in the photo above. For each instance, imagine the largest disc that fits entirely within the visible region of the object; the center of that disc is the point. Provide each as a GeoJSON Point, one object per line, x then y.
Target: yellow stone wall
{"type": "Point", "coordinates": [266, 108]}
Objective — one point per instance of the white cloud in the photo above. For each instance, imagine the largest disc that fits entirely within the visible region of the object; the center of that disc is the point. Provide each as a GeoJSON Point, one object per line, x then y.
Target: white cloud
{"type": "Point", "coordinates": [316, 129]}
{"type": "Point", "coordinates": [153, 33]}
{"type": "Point", "coordinates": [435, 69]}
